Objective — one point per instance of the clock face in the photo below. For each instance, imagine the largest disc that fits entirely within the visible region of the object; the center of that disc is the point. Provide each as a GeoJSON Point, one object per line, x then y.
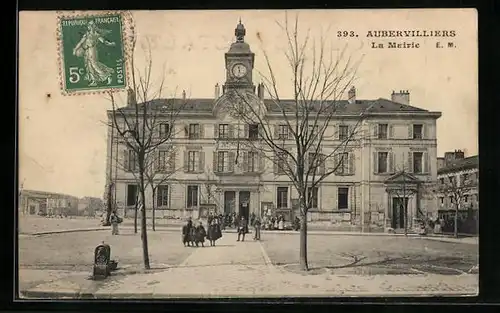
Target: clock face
{"type": "Point", "coordinates": [239, 70]}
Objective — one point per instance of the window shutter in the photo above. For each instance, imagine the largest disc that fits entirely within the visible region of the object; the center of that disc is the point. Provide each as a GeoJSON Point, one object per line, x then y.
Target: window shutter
{"type": "Point", "coordinates": [424, 131]}
{"type": "Point", "coordinates": [425, 160]}
{"type": "Point", "coordinates": [186, 130]}
{"type": "Point", "coordinates": [352, 163]}
{"type": "Point", "coordinates": [410, 131]}
{"type": "Point", "coordinates": [391, 162]}
{"type": "Point", "coordinates": [231, 161]}
{"type": "Point", "coordinates": [375, 130]}
{"type": "Point", "coordinates": [244, 165]}
{"type": "Point", "coordinates": [375, 162]}
{"type": "Point", "coordinates": [336, 163]}
{"type": "Point", "coordinates": [262, 161]}
{"type": "Point", "coordinates": [245, 135]}
{"type": "Point", "coordinates": [276, 131]}
{"type": "Point", "coordinates": [350, 132]}
{"type": "Point", "coordinates": [125, 160]}
{"type": "Point", "coordinates": [275, 165]}
{"type": "Point", "coordinates": [216, 131]}
{"type": "Point", "coordinates": [171, 162]}
{"type": "Point", "coordinates": [322, 161]}
{"type": "Point", "coordinates": [158, 196]}
{"type": "Point", "coordinates": [157, 162]}
{"type": "Point", "coordinates": [201, 161]}
{"type": "Point", "coordinates": [186, 161]}
{"type": "Point", "coordinates": [171, 130]}
{"type": "Point", "coordinates": [202, 131]}
{"type": "Point", "coordinates": [215, 168]}
{"type": "Point", "coordinates": [410, 162]}
{"type": "Point", "coordinates": [231, 131]}
{"type": "Point", "coordinates": [337, 132]}
{"type": "Point", "coordinates": [391, 131]}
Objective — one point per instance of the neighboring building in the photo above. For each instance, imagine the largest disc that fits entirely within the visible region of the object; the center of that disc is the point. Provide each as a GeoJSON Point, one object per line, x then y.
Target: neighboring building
{"type": "Point", "coordinates": [398, 137]}
{"type": "Point", "coordinates": [465, 173]}
{"type": "Point", "coordinates": [33, 202]}
{"type": "Point", "coordinates": [449, 157]}
{"type": "Point", "coordinates": [88, 206]}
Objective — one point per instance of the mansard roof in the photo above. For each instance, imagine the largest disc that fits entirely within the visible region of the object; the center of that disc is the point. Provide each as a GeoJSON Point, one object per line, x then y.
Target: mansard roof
{"type": "Point", "coordinates": [460, 165]}
{"type": "Point", "coordinates": [205, 105]}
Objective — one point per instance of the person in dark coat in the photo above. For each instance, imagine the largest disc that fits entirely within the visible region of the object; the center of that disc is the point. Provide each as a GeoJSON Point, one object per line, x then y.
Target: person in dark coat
{"type": "Point", "coordinates": [210, 218]}
{"type": "Point", "coordinates": [242, 228]}
{"type": "Point", "coordinates": [252, 218]}
{"type": "Point", "coordinates": [214, 232]}
{"type": "Point", "coordinates": [199, 235]}
{"type": "Point", "coordinates": [187, 232]}
{"type": "Point", "coordinates": [256, 227]}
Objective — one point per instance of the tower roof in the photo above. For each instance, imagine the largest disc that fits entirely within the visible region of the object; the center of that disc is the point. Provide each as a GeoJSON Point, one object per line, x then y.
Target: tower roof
{"type": "Point", "coordinates": [240, 46]}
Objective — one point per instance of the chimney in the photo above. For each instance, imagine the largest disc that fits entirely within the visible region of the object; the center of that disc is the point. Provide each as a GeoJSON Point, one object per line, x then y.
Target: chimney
{"type": "Point", "coordinates": [402, 97]}
{"type": "Point", "coordinates": [217, 91]}
{"type": "Point", "coordinates": [184, 95]}
{"type": "Point", "coordinates": [351, 95]}
{"type": "Point", "coordinates": [260, 91]}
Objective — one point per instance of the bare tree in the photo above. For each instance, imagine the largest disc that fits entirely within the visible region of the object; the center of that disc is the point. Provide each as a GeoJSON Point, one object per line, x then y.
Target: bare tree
{"type": "Point", "coordinates": [456, 190]}
{"type": "Point", "coordinates": [139, 126]}
{"type": "Point", "coordinates": [291, 133]}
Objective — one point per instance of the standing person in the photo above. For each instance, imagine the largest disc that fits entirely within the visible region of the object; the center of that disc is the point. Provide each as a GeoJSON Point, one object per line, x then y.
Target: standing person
{"type": "Point", "coordinates": [200, 235]}
{"type": "Point", "coordinates": [114, 223]}
{"type": "Point", "coordinates": [242, 227]}
{"type": "Point", "coordinates": [210, 218]}
{"type": "Point", "coordinates": [256, 227]}
{"type": "Point", "coordinates": [252, 218]}
{"type": "Point", "coordinates": [281, 223]}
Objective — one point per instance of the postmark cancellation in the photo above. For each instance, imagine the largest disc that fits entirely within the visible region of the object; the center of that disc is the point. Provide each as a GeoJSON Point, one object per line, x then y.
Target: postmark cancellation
{"type": "Point", "coordinates": [93, 50]}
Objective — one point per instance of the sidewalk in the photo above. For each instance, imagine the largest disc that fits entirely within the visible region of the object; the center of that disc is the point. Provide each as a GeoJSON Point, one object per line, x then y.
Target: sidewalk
{"type": "Point", "coordinates": [235, 269]}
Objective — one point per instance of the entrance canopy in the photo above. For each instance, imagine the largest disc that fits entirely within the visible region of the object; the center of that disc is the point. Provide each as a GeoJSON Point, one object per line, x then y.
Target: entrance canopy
{"type": "Point", "coordinates": [402, 180]}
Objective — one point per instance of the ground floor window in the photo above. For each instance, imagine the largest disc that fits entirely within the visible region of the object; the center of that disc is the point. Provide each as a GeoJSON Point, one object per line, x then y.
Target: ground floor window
{"type": "Point", "coordinates": [312, 197]}
{"type": "Point", "coordinates": [131, 194]}
{"type": "Point", "coordinates": [162, 196]}
{"type": "Point", "coordinates": [343, 196]}
{"type": "Point", "coordinates": [192, 196]}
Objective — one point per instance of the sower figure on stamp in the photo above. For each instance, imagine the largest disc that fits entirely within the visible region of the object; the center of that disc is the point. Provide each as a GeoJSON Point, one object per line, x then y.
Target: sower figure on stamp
{"type": "Point", "coordinates": [95, 71]}
{"type": "Point", "coordinates": [242, 228]}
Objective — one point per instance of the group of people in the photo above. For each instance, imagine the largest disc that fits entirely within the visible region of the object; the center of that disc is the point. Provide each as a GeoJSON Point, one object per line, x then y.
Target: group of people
{"type": "Point", "coordinates": [195, 235]}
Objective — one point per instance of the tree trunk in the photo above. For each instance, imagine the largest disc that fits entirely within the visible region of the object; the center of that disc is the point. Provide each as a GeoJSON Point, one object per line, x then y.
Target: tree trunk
{"type": "Point", "coordinates": [109, 206]}
{"type": "Point", "coordinates": [154, 208]}
{"type": "Point", "coordinates": [455, 226]}
{"type": "Point", "coordinates": [303, 236]}
{"type": "Point", "coordinates": [405, 208]}
{"type": "Point", "coordinates": [144, 231]}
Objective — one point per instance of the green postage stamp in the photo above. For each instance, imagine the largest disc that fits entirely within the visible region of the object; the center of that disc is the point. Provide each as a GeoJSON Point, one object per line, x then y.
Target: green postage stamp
{"type": "Point", "coordinates": [92, 52]}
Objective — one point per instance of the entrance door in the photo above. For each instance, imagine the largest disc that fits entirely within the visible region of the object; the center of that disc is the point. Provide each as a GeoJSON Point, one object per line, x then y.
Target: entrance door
{"type": "Point", "coordinates": [245, 204]}
{"type": "Point", "coordinates": [229, 201]}
{"type": "Point", "coordinates": [398, 214]}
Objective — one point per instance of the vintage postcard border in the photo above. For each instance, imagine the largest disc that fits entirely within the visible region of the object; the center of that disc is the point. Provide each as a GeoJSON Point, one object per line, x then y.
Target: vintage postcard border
{"type": "Point", "coordinates": [128, 36]}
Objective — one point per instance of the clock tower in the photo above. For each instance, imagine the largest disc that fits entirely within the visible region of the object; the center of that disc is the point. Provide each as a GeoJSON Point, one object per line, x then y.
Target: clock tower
{"type": "Point", "coordinates": [239, 63]}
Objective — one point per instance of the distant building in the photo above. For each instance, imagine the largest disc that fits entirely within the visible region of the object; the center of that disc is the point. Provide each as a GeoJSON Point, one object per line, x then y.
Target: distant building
{"type": "Point", "coordinates": [88, 206]}
{"type": "Point", "coordinates": [449, 157]}
{"type": "Point", "coordinates": [32, 202]}
{"type": "Point", "coordinates": [465, 172]}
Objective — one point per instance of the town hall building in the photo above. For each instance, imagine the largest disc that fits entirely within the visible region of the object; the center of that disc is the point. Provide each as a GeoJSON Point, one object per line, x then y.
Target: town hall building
{"type": "Point", "coordinates": [394, 162]}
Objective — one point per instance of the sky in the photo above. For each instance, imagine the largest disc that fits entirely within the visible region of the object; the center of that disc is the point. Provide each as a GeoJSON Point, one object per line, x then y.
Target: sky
{"type": "Point", "coordinates": [62, 139]}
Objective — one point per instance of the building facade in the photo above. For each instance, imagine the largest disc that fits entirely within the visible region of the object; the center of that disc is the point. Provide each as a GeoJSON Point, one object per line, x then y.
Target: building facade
{"type": "Point", "coordinates": [395, 150]}
{"type": "Point", "coordinates": [32, 202]}
{"type": "Point", "coordinates": [459, 175]}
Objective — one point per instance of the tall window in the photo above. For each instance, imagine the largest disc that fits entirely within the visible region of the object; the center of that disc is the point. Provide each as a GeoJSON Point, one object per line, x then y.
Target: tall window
{"type": "Point", "coordinates": [162, 161]}
{"type": "Point", "coordinates": [282, 197]}
{"type": "Point", "coordinates": [192, 196]}
{"type": "Point", "coordinates": [222, 161]}
{"type": "Point", "coordinates": [194, 131]}
{"type": "Point", "coordinates": [382, 162]}
{"type": "Point", "coordinates": [465, 177]}
{"type": "Point", "coordinates": [131, 194]}
{"type": "Point", "coordinates": [131, 162]}
{"type": "Point", "coordinates": [281, 162]}
{"type": "Point", "coordinates": [343, 163]}
{"type": "Point", "coordinates": [417, 131]}
{"type": "Point", "coordinates": [164, 130]}
{"type": "Point", "coordinates": [382, 131]}
{"type": "Point", "coordinates": [283, 132]}
{"type": "Point", "coordinates": [252, 165]}
{"type": "Point", "coordinates": [223, 131]}
{"type": "Point", "coordinates": [162, 196]}
{"type": "Point", "coordinates": [192, 161]}
{"type": "Point", "coordinates": [343, 196]}
{"type": "Point", "coordinates": [343, 132]}
{"type": "Point", "coordinates": [418, 158]}
{"type": "Point", "coordinates": [253, 131]}
{"type": "Point", "coordinates": [312, 197]}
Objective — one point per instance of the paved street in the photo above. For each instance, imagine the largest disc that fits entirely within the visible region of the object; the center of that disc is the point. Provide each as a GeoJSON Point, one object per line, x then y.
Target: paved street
{"type": "Point", "coordinates": [341, 265]}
